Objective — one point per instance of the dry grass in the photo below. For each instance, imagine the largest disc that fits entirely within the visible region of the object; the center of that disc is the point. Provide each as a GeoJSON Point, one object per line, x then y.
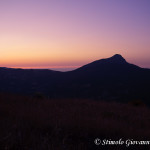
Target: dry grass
{"type": "Point", "coordinates": [42, 124]}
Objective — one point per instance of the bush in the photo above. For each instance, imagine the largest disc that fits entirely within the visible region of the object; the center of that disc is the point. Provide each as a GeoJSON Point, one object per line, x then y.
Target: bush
{"type": "Point", "coordinates": [137, 103]}
{"type": "Point", "coordinates": [39, 95]}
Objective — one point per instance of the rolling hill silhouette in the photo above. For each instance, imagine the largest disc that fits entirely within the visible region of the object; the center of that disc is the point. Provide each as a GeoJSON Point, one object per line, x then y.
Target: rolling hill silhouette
{"type": "Point", "coordinates": [107, 79]}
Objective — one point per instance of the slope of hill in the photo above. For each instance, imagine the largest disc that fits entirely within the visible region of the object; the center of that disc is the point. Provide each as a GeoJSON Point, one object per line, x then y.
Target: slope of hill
{"type": "Point", "coordinates": [109, 79]}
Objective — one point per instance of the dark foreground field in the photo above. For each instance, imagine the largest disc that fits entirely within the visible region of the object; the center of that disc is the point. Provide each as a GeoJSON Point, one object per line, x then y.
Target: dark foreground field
{"type": "Point", "coordinates": [43, 124]}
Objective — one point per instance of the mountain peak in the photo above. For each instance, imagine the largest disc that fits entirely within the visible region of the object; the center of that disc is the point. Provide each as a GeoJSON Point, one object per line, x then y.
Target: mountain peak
{"type": "Point", "coordinates": [117, 58]}
{"type": "Point", "coordinates": [117, 55]}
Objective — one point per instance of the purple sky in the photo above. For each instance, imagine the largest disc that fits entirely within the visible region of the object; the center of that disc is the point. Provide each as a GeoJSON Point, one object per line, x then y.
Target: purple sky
{"type": "Point", "coordinates": [71, 33]}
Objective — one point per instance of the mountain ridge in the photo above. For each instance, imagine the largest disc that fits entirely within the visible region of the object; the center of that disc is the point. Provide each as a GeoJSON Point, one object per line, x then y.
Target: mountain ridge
{"type": "Point", "coordinates": [115, 59]}
{"type": "Point", "coordinates": [108, 79]}
{"type": "Point", "coordinates": [116, 62]}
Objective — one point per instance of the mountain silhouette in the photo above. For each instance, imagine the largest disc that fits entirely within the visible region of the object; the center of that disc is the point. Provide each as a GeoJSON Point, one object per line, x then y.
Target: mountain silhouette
{"type": "Point", "coordinates": [107, 79]}
{"type": "Point", "coordinates": [109, 67]}
{"type": "Point", "coordinates": [117, 58]}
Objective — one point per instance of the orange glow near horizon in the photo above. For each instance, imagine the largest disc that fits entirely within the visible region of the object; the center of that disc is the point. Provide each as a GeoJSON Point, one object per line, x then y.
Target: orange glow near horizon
{"type": "Point", "coordinates": [48, 67]}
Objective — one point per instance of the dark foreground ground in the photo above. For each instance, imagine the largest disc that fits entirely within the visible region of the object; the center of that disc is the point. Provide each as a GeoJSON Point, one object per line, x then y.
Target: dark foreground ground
{"type": "Point", "coordinates": [43, 124]}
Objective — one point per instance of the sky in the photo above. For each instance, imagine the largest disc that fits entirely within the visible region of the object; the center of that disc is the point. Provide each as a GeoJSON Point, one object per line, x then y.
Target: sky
{"type": "Point", "coordinates": [66, 34]}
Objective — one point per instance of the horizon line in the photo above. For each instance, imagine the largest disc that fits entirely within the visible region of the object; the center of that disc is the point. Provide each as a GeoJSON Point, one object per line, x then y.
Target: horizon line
{"type": "Point", "coordinates": [55, 68]}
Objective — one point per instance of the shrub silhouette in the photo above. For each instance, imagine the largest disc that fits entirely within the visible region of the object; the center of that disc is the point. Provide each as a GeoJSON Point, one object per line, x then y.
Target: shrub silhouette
{"type": "Point", "coordinates": [137, 103]}
{"type": "Point", "coordinates": [39, 95]}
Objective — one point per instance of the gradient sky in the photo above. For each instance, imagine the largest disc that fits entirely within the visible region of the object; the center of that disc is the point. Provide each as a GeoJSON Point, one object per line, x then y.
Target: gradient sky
{"type": "Point", "coordinates": [71, 33]}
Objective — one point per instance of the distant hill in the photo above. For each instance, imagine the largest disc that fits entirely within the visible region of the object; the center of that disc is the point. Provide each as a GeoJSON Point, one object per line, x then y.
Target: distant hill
{"type": "Point", "coordinates": [107, 79]}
